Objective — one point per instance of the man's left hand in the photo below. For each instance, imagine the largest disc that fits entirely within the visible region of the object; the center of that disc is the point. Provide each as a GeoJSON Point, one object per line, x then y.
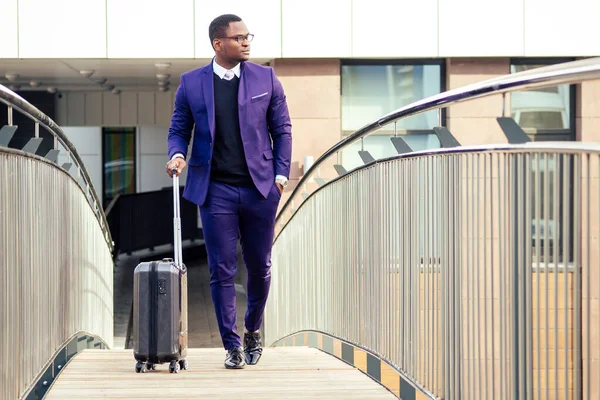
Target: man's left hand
{"type": "Point", "coordinates": [280, 187]}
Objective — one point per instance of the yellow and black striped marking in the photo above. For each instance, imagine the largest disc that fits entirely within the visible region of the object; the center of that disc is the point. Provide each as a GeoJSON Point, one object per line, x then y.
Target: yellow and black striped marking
{"type": "Point", "coordinates": [370, 364]}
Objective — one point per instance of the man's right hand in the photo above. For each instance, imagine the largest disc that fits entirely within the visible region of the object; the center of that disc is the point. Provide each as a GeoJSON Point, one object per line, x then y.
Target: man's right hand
{"type": "Point", "coordinates": [178, 163]}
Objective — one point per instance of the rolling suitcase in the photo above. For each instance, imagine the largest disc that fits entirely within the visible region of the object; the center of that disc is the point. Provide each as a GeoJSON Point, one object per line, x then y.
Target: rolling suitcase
{"type": "Point", "coordinates": [160, 329]}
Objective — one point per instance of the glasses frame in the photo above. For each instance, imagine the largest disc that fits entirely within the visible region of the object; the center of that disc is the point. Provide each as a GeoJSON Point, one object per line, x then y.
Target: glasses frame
{"type": "Point", "coordinates": [239, 38]}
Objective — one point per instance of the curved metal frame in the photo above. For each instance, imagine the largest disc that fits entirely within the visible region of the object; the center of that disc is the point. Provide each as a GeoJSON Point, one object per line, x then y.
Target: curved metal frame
{"type": "Point", "coordinates": [11, 99]}
{"type": "Point", "coordinates": [47, 376]}
{"type": "Point", "coordinates": [565, 73]}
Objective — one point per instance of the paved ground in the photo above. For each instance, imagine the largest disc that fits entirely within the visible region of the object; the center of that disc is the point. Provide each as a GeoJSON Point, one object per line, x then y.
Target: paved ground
{"type": "Point", "coordinates": [203, 329]}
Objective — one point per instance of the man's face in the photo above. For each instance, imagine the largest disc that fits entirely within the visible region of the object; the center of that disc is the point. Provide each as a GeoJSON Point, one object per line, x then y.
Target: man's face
{"type": "Point", "coordinates": [235, 46]}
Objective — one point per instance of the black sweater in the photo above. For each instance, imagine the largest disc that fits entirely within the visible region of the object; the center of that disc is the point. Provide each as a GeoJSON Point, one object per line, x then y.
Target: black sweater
{"type": "Point", "coordinates": [228, 160]}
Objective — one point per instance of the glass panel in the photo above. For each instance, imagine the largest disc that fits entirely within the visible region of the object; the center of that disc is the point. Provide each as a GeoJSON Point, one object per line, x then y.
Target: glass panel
{"type": "Point", "coordinates": [542, 109]}
{"type": "Point", "coordinates": [371, 91]}
{"type": "Point", "coordinates": [119, 162]}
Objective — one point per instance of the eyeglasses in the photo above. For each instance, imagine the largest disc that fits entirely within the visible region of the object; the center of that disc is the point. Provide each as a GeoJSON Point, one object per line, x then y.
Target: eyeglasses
{"type": "Point", "coordinates": [239, 38]}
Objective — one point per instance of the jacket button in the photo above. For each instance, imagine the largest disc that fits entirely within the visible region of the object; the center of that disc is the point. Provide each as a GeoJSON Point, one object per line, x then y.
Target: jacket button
{"type": "Point", "coordinates": [208, 162]}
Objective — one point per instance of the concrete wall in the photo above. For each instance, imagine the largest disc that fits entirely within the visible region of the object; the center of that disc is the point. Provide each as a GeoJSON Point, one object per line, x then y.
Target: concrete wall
{"type": "Point", "coordinates": [312, 88]}
{"type": "Point", "coordinates": [109, 110]}
{"type": "Point", "coordinates": [474, 122]}
{"type": "Point", "coordinates": [291, 29]}
{"type": "Point", "coordinates": [588, 111]}
{"type": "Point", "coordinates": [88, 142]}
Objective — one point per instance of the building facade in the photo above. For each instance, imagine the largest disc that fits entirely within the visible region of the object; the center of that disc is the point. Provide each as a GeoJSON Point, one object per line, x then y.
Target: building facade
{"type": "Point", "coordinates": [113, 66]}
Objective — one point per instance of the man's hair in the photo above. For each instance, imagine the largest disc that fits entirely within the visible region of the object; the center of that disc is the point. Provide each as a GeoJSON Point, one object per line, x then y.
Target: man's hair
{"type": "Point", "coordinates": [219, 25]}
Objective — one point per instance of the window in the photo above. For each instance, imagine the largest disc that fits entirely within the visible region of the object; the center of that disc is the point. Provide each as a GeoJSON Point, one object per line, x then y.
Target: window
{"type": "Point", "coordinates": [371, 89]}
{"type": "Point", "coordinates": [119, 162]}
{"type": "Point", "coordinates": [545, 113]}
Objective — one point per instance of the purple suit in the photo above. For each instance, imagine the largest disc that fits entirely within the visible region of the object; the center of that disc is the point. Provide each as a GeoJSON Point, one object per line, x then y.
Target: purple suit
{"type": "Point", "coordinates": [262, 119]}
{"type": "Point", "coordinates": [230, 212]}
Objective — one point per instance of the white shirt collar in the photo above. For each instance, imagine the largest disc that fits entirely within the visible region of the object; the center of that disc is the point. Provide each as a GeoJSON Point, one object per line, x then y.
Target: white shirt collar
{"type": "Point", "coordinates": [220, 71]}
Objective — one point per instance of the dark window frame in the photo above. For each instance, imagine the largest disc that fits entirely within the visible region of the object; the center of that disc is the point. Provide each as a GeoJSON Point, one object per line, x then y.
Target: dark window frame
{"type": "Point", "coordinates": [441, 62]}
{"type": "Point", "coordinates": [538, 135]}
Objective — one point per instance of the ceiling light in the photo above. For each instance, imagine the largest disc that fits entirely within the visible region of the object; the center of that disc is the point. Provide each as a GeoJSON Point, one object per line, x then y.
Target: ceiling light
{"type": "Point", "coordinates": [15, 87]}
{"type": "Point", "coordinates": [163, 76]}
{"type": "Point", "coordinates": [51, 90]}
{"type": "Point", "coordinates": [163, 83]}
{"type": "Point", "coordinates": [108, 87]}
{"type": "Point", "coordinates": [11, 77]}
{"type": "Point", "coordinates": [99, 81]}
{"type": "Point", "coordinates": [87, 72]}
{"type": "Point", "coordinates": [34, 83]}
{"type": "Point", "coordinates": [163, 89]}
{"type": "Point", "coordinates": [165, 65]}
{"type": "Point", "coordinates": [116, 91]}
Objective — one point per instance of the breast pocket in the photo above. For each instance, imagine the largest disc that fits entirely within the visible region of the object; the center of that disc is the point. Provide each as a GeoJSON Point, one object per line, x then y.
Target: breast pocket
{"type": "Point", "coordinates": [258, 106]}
{"type": "Point", "coordinates": [260, 97]}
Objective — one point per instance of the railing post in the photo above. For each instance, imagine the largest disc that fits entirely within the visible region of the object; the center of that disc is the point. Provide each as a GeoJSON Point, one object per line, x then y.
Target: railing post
{"type": "Point", "coordinates": [515, 283]}
{"type": "Point", "coordinates": [520, 373]}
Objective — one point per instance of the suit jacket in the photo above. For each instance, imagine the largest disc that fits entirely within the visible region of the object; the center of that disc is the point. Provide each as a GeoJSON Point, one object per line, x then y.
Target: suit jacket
{"type": "Point", "coordinates": [265, 127]}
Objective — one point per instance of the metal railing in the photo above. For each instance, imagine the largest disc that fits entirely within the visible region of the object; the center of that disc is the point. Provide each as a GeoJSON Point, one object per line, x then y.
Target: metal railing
{"type": "Point", "coordinates": [56, 270]}
{"type": "Point", "coordinates": [472, 270]}
{"type": "Point", "coordinates": [15, 102]}
{"type": "Point", "coordinates": [56, 267]}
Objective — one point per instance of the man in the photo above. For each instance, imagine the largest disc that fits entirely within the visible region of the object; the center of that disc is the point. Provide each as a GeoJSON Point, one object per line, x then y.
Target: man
{"type": "Point", "coordinates": [236, 177]}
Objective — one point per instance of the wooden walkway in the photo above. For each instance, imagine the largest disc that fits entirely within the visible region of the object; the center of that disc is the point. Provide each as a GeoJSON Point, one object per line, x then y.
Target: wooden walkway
{"type": "Point", "coordinates": [283, 373]}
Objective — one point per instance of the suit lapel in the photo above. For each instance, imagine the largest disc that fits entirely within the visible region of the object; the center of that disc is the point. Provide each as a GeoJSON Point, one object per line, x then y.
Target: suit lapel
{"type": "Point", "coordinates": [242, 99]}
{"type": "Point", "coordinates": [242, 89]}
{"type": "Point", "coordinates": [208, 88]}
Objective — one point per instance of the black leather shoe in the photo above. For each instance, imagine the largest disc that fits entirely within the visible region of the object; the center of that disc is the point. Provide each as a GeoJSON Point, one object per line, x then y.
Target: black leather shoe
{"type": "Point", "coordinates": [235, 358]}
{"type": "Point", "coordinates": [252, 347]}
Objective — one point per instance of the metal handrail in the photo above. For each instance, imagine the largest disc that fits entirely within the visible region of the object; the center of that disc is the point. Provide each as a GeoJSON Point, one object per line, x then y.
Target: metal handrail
{"type": "Point", "coordinates": [564, 73]}
{"type": "Point", "coordinates": [407, 256]}
{"type": "Point", "coordinates": [57, 271]}
{"type": "Point", "coordinates": [14, 101]}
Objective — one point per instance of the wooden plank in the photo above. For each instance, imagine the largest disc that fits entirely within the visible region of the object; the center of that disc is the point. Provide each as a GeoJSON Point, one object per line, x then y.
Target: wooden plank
{"type": "Point", "coordinates": [283, 372]}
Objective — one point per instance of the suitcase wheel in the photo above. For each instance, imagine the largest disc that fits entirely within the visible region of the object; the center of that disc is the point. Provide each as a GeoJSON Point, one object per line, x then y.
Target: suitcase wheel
{"type": "Point", "coordinates": [183, 364]}
{"type": "Point", "coordinates": [150, 366]}
{"type": "Point", "coordinates": [140, 367]}
{"type": "Point", "coordinates": [174, 367]}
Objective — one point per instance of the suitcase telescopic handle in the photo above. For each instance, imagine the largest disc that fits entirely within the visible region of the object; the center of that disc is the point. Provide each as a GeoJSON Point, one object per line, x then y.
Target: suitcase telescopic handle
{"type": "Point", "coordinates": [176, 221]}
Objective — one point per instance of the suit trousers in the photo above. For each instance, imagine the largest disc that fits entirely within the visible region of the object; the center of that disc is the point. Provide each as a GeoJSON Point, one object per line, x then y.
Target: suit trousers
{"type": "Point", "coordinates": [229, 213]}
